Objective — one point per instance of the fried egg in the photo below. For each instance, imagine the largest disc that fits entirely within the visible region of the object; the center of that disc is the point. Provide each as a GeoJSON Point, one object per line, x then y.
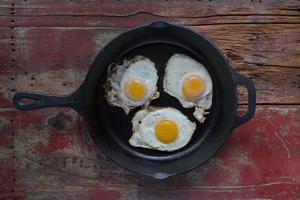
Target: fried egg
{"type": "Point", "coordinates": [189, 82]}
{"type": "Point", "coordinates": [163, 129]}
{"type": "Point", "coordinates": [131, 83]}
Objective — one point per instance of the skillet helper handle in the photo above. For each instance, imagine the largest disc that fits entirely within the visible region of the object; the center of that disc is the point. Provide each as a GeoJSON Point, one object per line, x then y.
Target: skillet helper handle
{"type": "Point", "coordinates": [240, 79]}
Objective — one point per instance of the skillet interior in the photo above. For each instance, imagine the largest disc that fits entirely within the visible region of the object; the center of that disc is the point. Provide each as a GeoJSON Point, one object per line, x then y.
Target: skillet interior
{"type": "Point", "coordinates": [111, 127]}
{"type": "Point", "coordinates": [159, 52]}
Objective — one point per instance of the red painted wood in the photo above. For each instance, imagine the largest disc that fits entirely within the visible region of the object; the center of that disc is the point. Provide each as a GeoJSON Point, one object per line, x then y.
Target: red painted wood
{"type": "Point", "coordinates": [58, 159]}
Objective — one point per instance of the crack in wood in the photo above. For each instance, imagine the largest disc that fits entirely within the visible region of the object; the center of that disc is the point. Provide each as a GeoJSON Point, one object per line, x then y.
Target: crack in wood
{"type": "Point", "coordinates": [158, 15]}
{"type": "Point", "coordinates": [266, 65]}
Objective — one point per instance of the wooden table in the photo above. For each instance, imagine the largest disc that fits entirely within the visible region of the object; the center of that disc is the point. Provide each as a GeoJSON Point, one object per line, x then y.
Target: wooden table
{"type": "Point", "coordinates": [47, 46]}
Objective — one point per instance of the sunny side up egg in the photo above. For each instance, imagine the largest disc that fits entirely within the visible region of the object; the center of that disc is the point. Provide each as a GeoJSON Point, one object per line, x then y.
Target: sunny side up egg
{"type": "Point", "coordinates": [131, 83]}
{"type": "Point", "coordinates": [164, 129]}
{"type": "Point", "coordinates": [189, 82]}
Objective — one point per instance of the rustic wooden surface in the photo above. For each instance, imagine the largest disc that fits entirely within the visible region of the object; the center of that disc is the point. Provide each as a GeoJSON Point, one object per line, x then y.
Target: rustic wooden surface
{"type": "Point", "coordinates": [47, 46]}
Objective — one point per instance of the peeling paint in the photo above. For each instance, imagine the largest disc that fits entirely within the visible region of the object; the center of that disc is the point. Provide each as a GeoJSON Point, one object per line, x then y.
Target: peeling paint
{"type": "Point", "coordinates": [4, 153]}
{"type": "Point", "coordinates": [3, 123]}
{"type": "Point", "coordinates": [106, 36]}
{"type": "Point", "coordinates": [284, 130]}
{"type": "Point", "coordinates": [61, 121]}
{"type": "Point", "coordinates": [26, 139]}
{"type": "Point", "coordinates": [282, 111]}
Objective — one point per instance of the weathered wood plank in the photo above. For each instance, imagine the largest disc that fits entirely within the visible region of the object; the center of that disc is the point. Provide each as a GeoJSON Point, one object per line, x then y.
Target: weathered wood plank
{"type": "Point", "coordinates": [179, 8]}
{"type": "Point", "coordinates": [56, 158]}
{"type": "Point", "coordinates": [5, 60]}
{"type": "Point", "coordinates": [5, 46]}
{"type": "Point", "coordinates": [142, 18]}
{"type": "Point", "coordinates": [49, 59]}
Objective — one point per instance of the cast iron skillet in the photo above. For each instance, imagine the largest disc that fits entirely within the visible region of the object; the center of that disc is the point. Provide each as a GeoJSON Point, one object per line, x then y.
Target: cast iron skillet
{"type": "Point", "coordinates": [110, 127]}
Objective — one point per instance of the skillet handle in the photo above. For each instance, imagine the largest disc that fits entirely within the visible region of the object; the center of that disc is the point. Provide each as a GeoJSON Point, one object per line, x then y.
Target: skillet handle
{"type": "Point", "coordinates": [240, 79]}
{"type": "Point", "coordinates": [32, 101]}
{"type": "Point", "coordinates": [36, 101]}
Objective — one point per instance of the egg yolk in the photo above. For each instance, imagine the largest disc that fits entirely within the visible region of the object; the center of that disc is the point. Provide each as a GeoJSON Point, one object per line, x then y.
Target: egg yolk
{"type": "Point", "coordinates": [166, 131]}
{"type": "Point", "coordinates": [192, 87]}
{"type": "Point", "coordinates": [135, 90]}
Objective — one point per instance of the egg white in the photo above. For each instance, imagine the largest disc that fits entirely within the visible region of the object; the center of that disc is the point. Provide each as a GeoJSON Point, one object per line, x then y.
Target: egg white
{"type": "Point", "coordinates": [143, 127]}
{"type": "Point", "coordinates": [138, 68]}
{"type": "Point", "coordinates": [178, 68]}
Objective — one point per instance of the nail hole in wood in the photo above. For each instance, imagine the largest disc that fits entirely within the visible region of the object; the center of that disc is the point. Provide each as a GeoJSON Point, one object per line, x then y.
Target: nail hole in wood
{"type": "Point", "coordinates": [12, 20]}
{"type": "Point", "coordinates": [12, 4]}
{"type": "Point", "coordinates": [12, 78]}
{"type": "Point", "coordinates": [13, 89]}
{"type": "Point", "coordinates": [12, 37]}
{"type": "Point", "coordinates": [13, 49]}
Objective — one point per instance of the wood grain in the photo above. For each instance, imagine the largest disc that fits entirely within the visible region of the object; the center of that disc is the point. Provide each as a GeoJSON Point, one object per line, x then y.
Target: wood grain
{"type": "Point", "coordinates": [178, 8]}
{"type": "Point", "coordinates": [56, 158]}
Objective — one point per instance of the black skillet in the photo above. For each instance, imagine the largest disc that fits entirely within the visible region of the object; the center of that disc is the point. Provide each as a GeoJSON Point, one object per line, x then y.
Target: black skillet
{"type": "Point", "coordinates": [110, 127]}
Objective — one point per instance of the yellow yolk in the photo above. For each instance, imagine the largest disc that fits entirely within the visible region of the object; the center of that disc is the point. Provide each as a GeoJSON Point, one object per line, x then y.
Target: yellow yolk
{"type": "Point", "coordinates": [192, 87]}
{"type": "Point", "coordinates": [166, 131]}
{"type": "Point", "coordinates": [135, 90]}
